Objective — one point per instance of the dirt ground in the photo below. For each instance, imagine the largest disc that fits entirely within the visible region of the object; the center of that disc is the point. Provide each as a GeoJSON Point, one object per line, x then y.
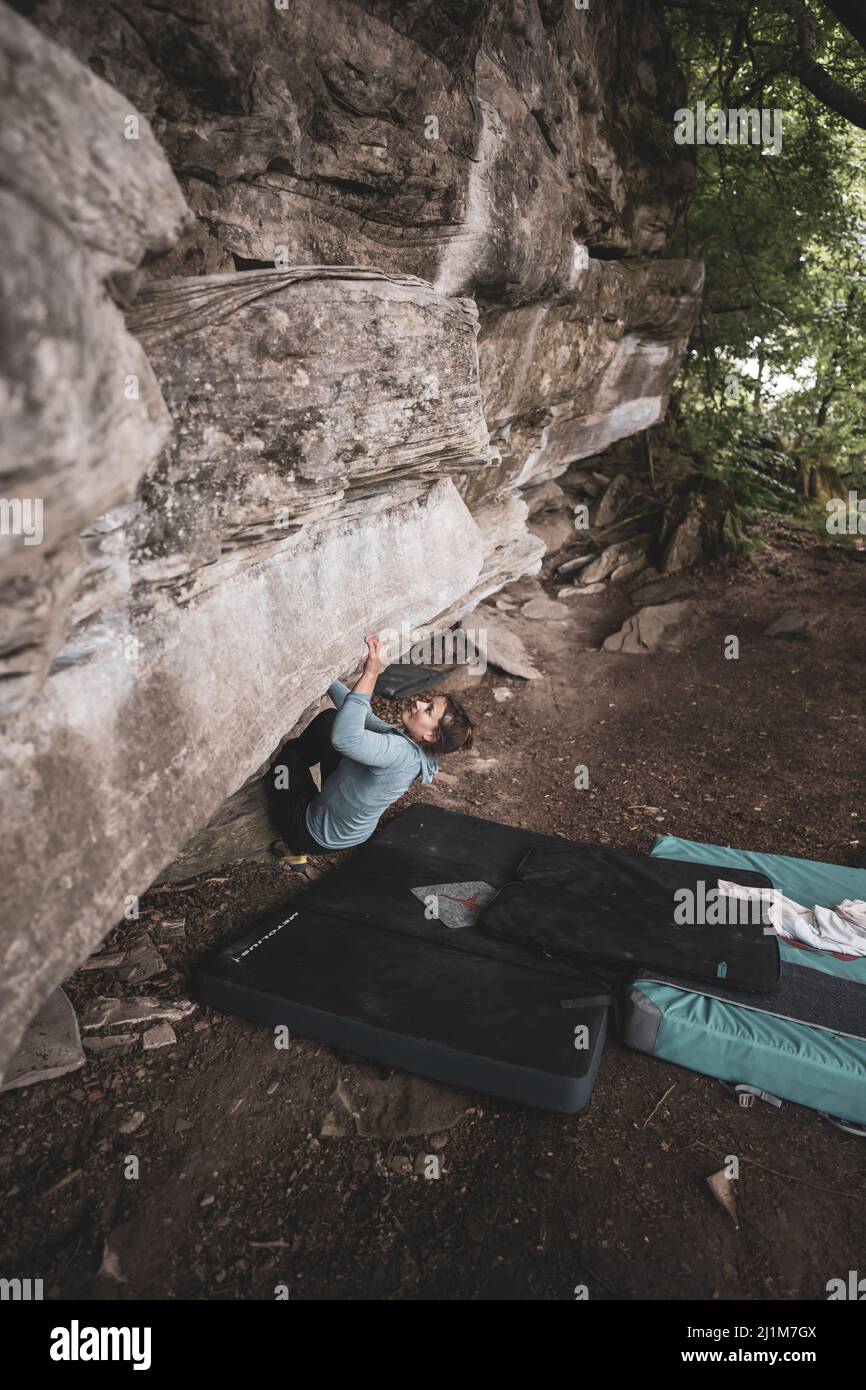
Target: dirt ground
{"type": "Point", "coordinates": [251, 1172]}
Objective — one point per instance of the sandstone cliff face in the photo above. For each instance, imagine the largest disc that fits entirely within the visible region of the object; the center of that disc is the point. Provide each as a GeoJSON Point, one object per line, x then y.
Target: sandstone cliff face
{"type": "Point", "coordinates": [300, 298]}
{"type": "Point", "coordinates": [474, 143]}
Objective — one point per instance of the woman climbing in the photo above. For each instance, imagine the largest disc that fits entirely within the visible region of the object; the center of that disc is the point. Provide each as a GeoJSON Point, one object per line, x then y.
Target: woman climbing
{"type": "Point", "coordinates": [366, 764]}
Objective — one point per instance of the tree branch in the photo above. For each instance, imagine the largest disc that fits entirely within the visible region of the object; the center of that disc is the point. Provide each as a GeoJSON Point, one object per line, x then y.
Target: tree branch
{"type": "Point", "coordinates": [816, 79]}
{"type": "Point", "coordinates": [850, 13]}
{"type": "Point", "coordinates": [832, 93]}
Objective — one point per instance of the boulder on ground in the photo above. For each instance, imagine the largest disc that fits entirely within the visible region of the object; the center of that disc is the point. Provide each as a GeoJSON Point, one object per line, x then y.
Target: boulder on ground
{"type": "Point", "coordinates": [581, 589]}
{"type": "Point", "coordinates": [795, 625]}
{"type": "Point", "coordinates": [544, 497]}
{"type": "Point", "coordinates": [615, 558]}
{"type": "Point", "coordinates": [392, 1107]}
{"type": "Point", "coordinates": [628, 568]}
{"type": "Point", "coordinates": [577, 562]}
{"type": "Point", "coordinates": [51, 1046]}
{"type": "Point", "coordinates": [686, 546]}
{"type": "Point", "coordinates": [615, 497]}
{"type": "Point", "coordinates": [502, 647]}
{"type": "Point", "coordinates": [545, 609]}
{"type": "Point", "coordinates": [655, 629]}
{"type": "Point", "coordinates": [524, 589]}
{"type": "Point", "coordinates": [662, 591]}
{"type": "Point", "coordinates": [554, 529]}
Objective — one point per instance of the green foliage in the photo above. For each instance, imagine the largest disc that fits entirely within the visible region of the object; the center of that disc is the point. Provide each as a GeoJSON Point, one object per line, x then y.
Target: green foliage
{"type": "Point", "coordinates": [777, 368]}
{"type": "Point", "coordinates": [730, 447]}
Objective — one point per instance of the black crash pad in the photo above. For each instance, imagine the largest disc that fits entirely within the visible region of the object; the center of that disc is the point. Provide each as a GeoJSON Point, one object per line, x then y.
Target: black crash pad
{"type": "Point", "coordinates": [607, 911]}
{"type": "Point", "coordinates": [357, 963]}
{"type": "Point", "coordinates": [403, 678]}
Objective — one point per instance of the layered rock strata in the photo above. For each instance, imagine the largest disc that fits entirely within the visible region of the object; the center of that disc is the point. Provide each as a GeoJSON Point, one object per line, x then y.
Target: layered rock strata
{"type": "Point", "coordinates": [299, 300]}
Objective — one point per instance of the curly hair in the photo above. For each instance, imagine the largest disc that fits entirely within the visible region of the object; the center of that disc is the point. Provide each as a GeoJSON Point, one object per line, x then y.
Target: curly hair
{"type": "Point", "coordinates": [455, 728]}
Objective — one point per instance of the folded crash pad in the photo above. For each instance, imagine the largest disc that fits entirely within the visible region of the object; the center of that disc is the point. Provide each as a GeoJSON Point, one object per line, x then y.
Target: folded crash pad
{"type": "Point", "coordinates": [608, 911]}
{"type": "Point", "coordinates": [383, 957]}
{"type": "Point", "coordinates": [404, 678]}
{"type": "Point", "coordinates": [805, 1042]}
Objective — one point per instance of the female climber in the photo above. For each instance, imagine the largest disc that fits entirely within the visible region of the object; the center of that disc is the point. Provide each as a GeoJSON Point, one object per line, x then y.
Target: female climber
{"type": "Point", "coordinates": [365, 764]}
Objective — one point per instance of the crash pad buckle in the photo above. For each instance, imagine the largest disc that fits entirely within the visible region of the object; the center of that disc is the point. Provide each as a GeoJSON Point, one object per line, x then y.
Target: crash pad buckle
{"type": "Point", "coordinates": [747, 1095]}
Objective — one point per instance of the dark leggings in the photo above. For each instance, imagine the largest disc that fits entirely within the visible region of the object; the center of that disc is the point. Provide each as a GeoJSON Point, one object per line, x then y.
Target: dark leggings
{"type": "Point", "coordinates": [289, 804]}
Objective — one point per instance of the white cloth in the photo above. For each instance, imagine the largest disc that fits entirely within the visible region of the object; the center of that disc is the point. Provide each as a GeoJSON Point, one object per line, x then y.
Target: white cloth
{"type": "Point", "coordinates": [842, 928]}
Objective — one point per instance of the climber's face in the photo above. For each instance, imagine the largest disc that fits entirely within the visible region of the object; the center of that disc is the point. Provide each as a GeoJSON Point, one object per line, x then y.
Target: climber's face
{"type": "Point", "coordinates": [421, 717]}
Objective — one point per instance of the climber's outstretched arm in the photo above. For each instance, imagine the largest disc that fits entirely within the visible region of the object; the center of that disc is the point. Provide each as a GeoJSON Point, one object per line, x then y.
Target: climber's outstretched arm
{"type": "Point", "coordinates": [337, 693]}
{"type": "Point", "coordinates": [349, 733]}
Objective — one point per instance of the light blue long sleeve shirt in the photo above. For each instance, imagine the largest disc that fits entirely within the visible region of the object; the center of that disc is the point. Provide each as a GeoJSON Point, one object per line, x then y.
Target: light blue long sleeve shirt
{"type": "Point", "coordinates": [379, 763]}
